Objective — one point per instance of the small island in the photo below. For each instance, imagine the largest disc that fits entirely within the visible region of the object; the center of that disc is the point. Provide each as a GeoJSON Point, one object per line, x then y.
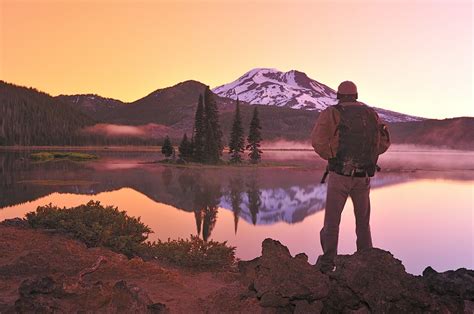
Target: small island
{"type": "Point", "coordinates": [52, 156]}
{"type": "Point", "coordinates": [206, 144]}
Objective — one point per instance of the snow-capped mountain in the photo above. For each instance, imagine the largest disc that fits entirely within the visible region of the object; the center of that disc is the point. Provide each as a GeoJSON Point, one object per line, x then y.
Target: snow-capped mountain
{"type": "Point", "coordinates": [283, 89]}
{"type": "Point", "coordinates": [292, 89]}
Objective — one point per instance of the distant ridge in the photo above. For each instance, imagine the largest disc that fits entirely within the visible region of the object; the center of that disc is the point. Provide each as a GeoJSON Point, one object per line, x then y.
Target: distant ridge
{"type": "Point", "coordinates": [40, 119]}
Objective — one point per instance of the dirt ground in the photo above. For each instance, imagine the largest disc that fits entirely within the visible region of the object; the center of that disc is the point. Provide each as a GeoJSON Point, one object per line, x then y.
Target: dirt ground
{"type": "Point", "coordinates": [28, 254]}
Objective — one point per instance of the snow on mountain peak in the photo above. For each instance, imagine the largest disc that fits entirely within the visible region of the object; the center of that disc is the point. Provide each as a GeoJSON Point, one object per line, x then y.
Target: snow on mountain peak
{"type": "Point", "coordinates": [293, 89]}
{"type": "Point", "coordinates": [266, 86]}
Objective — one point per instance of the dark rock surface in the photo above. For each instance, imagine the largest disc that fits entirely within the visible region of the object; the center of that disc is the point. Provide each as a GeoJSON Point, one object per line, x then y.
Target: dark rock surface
{"type": "Point", "coordinates": [372, 281]}
{"type": "Point", "coordinates": [282, 281]}
{"type": "Point", "coordinates": [48, 273]}
{"type": "Point", "coordinates": [376, 281]}
{"type": "Point", "coordinates": [454, 288]}
{"type": "Point", "coordinates": [46, 295]}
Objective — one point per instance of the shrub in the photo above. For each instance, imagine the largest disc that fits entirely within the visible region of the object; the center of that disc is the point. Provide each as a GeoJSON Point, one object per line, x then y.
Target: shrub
{"type": "Point", "coordinates": [95, 225]}
{"type": "Point", "coordinates": [193, 252]}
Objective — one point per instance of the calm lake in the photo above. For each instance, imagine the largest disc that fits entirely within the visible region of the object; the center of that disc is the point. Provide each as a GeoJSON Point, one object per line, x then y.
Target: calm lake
{"type": "Point", "coordinates": [422, 201]}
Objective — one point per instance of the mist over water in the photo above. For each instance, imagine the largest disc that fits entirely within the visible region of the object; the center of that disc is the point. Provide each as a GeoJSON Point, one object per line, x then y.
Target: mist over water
{"type": "Point", "coordinates": [146, 131]}
{"type": "Point", "coordinates": [397, 158]}
{"type": "Point", "coordinates": [422, 200]}
{"type": "Point", "coordinates": [283, 144]}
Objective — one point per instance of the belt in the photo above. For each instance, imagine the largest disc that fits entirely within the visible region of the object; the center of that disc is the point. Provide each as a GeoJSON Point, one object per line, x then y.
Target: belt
{"type": "Point", "coordinates": [355, 173]}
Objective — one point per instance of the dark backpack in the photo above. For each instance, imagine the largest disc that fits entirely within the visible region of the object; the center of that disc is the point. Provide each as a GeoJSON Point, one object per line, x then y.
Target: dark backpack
{"type": "Point", "coordinates": [358, 138]}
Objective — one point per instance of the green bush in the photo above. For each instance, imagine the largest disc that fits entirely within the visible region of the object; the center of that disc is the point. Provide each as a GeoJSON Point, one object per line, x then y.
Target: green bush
{"type": "Point", "coordinates": [95, 225]}
{"type": "Point", "coordinates": [193, 252]}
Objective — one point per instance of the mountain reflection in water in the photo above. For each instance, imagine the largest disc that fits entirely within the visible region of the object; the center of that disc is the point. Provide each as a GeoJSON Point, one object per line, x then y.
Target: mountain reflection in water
{"type": "Point", "coordinates": [244, 205]}
{"type": "Point", "coordinates": [259, 196]}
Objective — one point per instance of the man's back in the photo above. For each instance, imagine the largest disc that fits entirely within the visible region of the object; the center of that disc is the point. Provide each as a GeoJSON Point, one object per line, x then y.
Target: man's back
{"type": "Point", "coordinates": [326, 134]}
{"type": "Point", "coordinates": [350, 136]}
{"type": "Point", "coordinates": [358, 137]}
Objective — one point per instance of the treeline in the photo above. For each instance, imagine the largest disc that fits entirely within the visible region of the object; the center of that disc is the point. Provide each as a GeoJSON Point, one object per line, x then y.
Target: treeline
{"type": "Point", "coordinates": [30, 117]}
{"type": "Point", "coordinates": [206, 144]}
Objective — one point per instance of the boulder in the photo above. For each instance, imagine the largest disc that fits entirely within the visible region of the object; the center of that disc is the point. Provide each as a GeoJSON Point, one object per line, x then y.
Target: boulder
{"type": "Point", "coordinates": [280, 280]}
{"type": "Point", "coordinates": [453, 282]}
{"type": "Point", "coordinates": [374, 280]}
{"type": "Point", "coordinates": [453, 288]}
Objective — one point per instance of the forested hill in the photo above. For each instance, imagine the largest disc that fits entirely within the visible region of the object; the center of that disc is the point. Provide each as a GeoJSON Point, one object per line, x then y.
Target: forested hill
{"type": "Point", "coordinates": [31, 117]}
{"type": "Point", "coordinates": [450, 133]}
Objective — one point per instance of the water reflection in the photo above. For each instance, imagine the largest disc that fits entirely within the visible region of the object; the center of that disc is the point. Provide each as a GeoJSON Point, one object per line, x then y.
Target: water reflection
{"type": "Point", "coordinates": [236, 188]}
{"type": "Point", "coordinates": [207, 194]}
{"type": "Point", "coordinates": [244, 205]}
{"type": "Point", "coordinates": [259, 196]}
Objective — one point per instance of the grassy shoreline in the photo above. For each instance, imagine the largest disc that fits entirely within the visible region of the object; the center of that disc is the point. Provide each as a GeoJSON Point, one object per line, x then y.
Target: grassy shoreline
{"type": "Point", "coordinates": [54, 156]}
{"type": "Point", "coordinates": [81, 148]}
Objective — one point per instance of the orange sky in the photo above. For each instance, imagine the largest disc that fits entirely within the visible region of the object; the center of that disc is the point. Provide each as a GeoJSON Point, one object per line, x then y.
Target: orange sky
{"type": "Point", "coordinates": [409, 56]}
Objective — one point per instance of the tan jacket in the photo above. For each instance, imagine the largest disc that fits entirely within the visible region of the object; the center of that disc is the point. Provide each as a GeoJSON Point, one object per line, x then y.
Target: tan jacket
{"type": "Point", "coordinates": [325, 137]}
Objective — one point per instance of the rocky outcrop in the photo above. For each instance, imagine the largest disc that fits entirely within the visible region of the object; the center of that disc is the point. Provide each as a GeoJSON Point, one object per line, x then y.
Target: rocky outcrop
{"type": "Point", "coordinates": [282, 281]}
{"type": "Point", "coordinates": [453, 288]}
{"type": "Point", "coordinates": [48, 273]}
{"type": "Point", "coordinates": [372, 281]}
{"type": "Point", "coordinates": [46, 295]}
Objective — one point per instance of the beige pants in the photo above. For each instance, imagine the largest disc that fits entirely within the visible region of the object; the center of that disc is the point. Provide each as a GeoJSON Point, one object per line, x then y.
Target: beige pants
{"type": "Point", "coordinates": [339, 188]}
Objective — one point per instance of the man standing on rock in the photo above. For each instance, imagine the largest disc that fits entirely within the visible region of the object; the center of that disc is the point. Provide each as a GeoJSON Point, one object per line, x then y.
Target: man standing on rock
{"type": "Point", "coordinates": [351, 137]}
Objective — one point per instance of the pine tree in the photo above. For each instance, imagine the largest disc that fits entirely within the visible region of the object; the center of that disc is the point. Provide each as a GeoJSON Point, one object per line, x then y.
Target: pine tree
{"type": "Point", "coordinates": [185, 148]}
{"type": "Point", "coordinates": [237, 141]}
{"type": "Point", "coordinates": [213, 135]}
{"type": "Point", "coordinates": [167, 148]}
{"type": "Point", "coordinates": [254, 138]}
{"type": "Point", "coordinates": [198, 133]}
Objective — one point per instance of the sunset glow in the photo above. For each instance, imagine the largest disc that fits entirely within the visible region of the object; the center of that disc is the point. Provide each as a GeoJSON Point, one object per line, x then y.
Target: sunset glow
{"type": "Point", "coordinates": [413, 57]}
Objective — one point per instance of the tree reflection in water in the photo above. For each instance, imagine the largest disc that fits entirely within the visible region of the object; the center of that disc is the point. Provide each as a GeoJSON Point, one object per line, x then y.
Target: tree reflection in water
{"type": "Point", "coordinates": [255, 202]}
{"type": "Point", "coordinates": [236, 188]}
{"type": "Point", "coordinates": [207, 195]}
{"type": "Point", "coordinates": [262, 196]}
